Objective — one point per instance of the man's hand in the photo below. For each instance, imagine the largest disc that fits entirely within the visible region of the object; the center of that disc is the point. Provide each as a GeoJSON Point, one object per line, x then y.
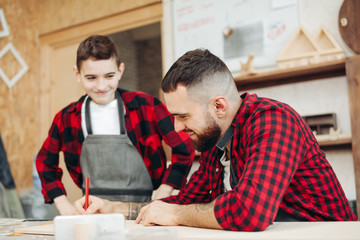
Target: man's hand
{"type": "Point", "coordinates": [96, 205]}
{"type": "Point", "coordinates": [158, 213]}
{"type": "Point", "coordinates": [167, 214]}
{"type": "Point", "coordinates": [163, 191]}
{"type": "Point", "coordinates": [64, 206]}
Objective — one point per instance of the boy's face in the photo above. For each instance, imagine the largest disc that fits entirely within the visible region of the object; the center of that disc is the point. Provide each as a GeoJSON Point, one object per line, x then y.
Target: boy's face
{"type": "Point", "coordinates": [100, 79]}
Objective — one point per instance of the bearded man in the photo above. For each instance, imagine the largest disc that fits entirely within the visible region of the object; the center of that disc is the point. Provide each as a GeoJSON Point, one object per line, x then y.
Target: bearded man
{"type": "Point", "coordinates": [260, 162]}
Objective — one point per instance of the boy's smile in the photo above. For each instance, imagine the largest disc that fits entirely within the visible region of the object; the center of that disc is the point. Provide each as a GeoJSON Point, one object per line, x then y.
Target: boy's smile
{"type": "Point", "coordinates": [100, 79]}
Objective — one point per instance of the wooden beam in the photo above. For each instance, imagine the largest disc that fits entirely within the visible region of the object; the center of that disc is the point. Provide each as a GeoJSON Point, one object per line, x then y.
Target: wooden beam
{"type": "Point", "coordinates": [353, 79]}
{"type": "Point", "coordinates": [119, 22]}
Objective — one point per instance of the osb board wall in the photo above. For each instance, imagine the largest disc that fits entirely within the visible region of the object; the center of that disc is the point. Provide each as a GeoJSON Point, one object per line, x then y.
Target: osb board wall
{"type": "Point", "coordinates": [18, 104]}
{"type": "Point", "coordinates": [60, 14]}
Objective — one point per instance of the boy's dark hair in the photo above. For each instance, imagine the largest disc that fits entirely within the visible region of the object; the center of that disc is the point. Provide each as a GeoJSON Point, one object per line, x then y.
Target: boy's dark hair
{"type": "Point", "coordinates": [98, 47]}
{"type": "Point", "coordinates": [191, 68]}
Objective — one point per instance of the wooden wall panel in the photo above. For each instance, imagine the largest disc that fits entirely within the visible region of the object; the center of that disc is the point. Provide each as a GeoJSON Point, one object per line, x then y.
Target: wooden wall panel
{"type": "Point", "coordinates": [18, 105]}
{"type": "Point", "coordinates": [353, 78]}
{"type": "Point", "coordinates": [61, 14]}
{"type": "Point", "coordinates": [119, 22]}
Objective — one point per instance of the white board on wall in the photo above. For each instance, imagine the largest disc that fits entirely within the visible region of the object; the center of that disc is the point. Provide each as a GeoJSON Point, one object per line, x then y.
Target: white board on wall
{"type": "Point", "coordinates": [260, 27]}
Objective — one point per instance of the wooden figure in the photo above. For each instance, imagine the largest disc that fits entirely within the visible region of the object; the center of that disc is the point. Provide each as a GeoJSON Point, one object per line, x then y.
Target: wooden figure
{"type": "Point", "coordinates": [329, 49]}
{"type": "Point", "coordinates": [301, 50]}
{"type": "Point", "coordinates": [246, 68]}
{"type": "Point", "coordinates": [227, 31]}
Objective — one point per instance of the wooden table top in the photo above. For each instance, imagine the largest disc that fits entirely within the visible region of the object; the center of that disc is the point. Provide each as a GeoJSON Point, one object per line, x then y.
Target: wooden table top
{"type": "Point", "coordinates": [279, 230]}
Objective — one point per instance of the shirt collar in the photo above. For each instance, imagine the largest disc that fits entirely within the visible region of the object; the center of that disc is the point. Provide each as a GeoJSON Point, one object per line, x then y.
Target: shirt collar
{"type": "Point", "coordinates": [75, 107]}
{"type": "Point", "coordinates": [229, 133]}
{"type": "Point", "coordinates": [225, 139]}
{"type": "Point", "coordinates": [133, 104]}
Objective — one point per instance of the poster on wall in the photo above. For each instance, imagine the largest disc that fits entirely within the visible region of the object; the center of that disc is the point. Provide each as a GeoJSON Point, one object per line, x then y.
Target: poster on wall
{"type": "Point", "coordinates": [234, 29]}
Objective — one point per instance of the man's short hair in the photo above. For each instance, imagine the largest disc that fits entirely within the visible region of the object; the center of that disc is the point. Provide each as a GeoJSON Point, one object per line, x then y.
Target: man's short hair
{"type": "Point", "coordinates": [191, 68]}
{"type": "Point", "coordinates": [203, 74]}
{"type": "Point", "coordinates": [97, 47]}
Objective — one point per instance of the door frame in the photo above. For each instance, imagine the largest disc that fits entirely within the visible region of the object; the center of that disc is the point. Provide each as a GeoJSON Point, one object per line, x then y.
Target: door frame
{"type": "Point", "coordinates": [49, 42]}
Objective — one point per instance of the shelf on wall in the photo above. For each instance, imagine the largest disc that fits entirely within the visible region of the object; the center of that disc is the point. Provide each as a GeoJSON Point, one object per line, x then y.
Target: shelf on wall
{"type": "Point", "coordinates": [338, 142]}
{"type": "Point", "coordinates": [291, 75]}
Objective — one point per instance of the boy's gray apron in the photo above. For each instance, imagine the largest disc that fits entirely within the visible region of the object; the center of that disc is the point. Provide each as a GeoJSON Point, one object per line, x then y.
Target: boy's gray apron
{"type": "Point", "coordinates": [115, 168]}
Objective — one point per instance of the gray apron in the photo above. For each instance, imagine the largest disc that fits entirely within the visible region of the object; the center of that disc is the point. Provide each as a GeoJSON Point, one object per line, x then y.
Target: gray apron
{"type": "Point", "coordinates": [115, 168]}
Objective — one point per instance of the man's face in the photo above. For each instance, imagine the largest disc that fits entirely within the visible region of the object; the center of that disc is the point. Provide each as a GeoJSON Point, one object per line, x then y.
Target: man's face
{"type": "Point", "coordinates": [100, 79]}
{"type": "Point", "coordinates": [193, 118]}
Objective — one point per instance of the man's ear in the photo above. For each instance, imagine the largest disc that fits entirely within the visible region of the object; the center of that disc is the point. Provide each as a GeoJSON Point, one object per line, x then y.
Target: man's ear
{"type": "Point", "coordinates": [220, 105]}
{"type": "Point", "coordinates": [76, 73]}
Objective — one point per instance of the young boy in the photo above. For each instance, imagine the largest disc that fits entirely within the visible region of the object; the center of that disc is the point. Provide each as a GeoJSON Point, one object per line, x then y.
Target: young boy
{"type": "Point", "coordinates": [112, 136]}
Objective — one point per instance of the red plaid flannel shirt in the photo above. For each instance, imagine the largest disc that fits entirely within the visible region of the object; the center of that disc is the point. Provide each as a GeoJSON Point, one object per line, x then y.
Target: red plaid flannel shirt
{"type": "Point", "coordinates": [147, 123]}
{"type": "Point", "coordinates": [279, 166]}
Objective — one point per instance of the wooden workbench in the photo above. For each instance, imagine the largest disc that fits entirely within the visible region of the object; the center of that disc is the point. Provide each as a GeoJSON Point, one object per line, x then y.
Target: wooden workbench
{"type": "Point", "coordinates": [279, 230]}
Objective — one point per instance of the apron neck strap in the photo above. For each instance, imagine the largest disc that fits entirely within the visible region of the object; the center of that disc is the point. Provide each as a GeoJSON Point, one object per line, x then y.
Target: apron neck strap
{"type": "Point", "coordinates": [121, 112]}
{"type": "Point", "coordinates": [120, 105]}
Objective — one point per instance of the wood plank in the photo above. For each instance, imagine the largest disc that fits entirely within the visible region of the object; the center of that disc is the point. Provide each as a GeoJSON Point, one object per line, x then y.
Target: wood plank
{"type": "Point", "coordinates": [337, 142]}
{"type": "Point", "coordinates": [46, 228]}
{"type": "Point", "coordinates": [19, 104]}
{"type": "Point", "coordinates": [353, 79]}
{"type": "Point", "coordinates": [63, 14]}
{"type": "Point", "coordinates": [278, 230]}
{"type": "Point", "coordinates": [291, 75]}
{"type": "Point", "coordinates": [116, 23]}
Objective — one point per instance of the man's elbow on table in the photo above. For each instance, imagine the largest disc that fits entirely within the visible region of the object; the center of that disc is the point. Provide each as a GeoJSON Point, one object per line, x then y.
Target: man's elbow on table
{"type": "Point", "coordinates": [239, 219]}
{"type": "Point", "coordinates": [246, 226]}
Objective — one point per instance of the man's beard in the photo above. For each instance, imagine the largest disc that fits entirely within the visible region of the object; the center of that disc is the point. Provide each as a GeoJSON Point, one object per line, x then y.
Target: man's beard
{"type": "Point", "coordinates": [209, 137]}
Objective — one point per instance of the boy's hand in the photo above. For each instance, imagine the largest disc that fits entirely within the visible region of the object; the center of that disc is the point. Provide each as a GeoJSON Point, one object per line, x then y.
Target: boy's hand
{"type": "Point", "coordinates": [64, 206]}
{"type": "Point", "coordinates": [163, 191]}
{"type": "Point", "coordinates": [96, 205]}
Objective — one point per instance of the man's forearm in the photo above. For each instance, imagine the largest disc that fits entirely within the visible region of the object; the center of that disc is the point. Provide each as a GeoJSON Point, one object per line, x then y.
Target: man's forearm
{"type": "Point", "coordinates": [129, 209]}
{"type": "Point", "coordinates": [198, 215]}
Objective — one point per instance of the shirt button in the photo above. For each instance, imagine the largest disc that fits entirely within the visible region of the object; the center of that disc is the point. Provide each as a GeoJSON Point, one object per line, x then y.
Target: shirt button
{"type": "Point", "coordinates": [217, 169]}
{"type": "Point", "coordinates": [210, 191]}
